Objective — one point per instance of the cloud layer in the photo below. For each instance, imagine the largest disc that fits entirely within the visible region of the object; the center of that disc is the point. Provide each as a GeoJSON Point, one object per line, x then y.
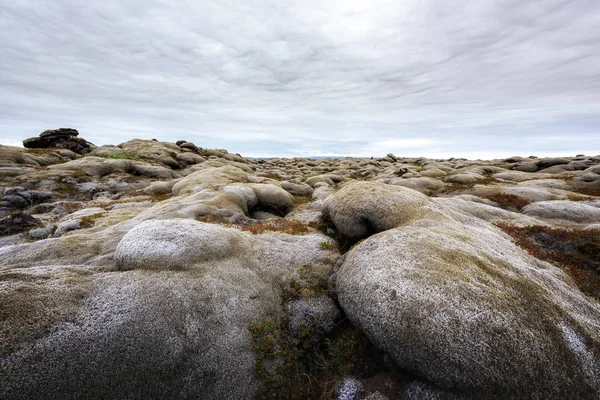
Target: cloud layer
{"type": "Point", "coordinates": [475, 78]}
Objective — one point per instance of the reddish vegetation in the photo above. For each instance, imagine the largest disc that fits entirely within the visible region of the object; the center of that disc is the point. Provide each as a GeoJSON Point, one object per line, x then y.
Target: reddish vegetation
{"type": "Point", "coordinates": [574, 250]}
{"type": "Point", "coordinates": [291, 227]}
{"type": "Point", "coordinates": [506, 200]}
{"type": "Point", "coordinates": [213, 219]}
{"type": "Point", "coordinates": [588, 191]}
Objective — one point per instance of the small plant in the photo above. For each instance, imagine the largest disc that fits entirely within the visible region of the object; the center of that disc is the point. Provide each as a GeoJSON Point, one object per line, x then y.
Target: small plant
{"type": "Point", "coordinates": [327, 245]}
{"type": "Point", "coordinates": [309, 175]}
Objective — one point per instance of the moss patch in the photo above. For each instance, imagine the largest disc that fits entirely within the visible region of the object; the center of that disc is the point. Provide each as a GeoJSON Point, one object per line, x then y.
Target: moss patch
{"type": "Point", "coordinates": [120, 156]}
{"type": "Point", "coordinates": [327, 245]}
{"type": "Point", "coordinates": [89, 220]}
{"type": "Point", "coordinates": [309, 175]}
{"type": "Point", "coordinates": [507, 201]}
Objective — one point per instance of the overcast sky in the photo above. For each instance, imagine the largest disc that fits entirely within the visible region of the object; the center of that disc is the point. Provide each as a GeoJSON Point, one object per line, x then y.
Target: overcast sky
{"type": "Point", "coordinates": [437, 78]}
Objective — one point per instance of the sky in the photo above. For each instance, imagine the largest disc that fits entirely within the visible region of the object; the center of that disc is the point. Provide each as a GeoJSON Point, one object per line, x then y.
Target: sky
{"type": "Point", "coordinates": [282, 78]}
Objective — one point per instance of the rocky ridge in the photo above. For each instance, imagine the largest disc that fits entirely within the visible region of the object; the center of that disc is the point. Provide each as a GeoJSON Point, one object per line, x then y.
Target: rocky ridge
{"type": "Point", "coordinates": [165, 270]}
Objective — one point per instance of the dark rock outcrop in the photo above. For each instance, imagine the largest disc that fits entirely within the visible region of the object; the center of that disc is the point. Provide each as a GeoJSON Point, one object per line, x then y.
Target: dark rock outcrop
{"type": "Point", "coordinates": [63, 138]}
{"type": "Point", "coordinates": [17, 223]}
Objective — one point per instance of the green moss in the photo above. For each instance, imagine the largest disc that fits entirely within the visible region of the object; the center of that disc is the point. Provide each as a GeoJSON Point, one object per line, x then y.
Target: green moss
{"type": "Point", "coordinates": [89, 220]}
{"type": "Point", "coordinates": [327, 245]}
{"type": "Point", "coordinates": [309, 175]}
{"type": "Point", "coordinates": [121, 156]}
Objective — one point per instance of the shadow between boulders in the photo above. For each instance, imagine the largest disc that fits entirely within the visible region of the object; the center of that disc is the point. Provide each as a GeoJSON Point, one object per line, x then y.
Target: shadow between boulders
{"type": "Point", "coordinates": [345, 243]}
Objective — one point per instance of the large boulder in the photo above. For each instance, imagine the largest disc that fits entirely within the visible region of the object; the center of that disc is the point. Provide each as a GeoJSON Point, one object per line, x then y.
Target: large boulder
{"type": "Point", "coordinates": [170, 323]}
{"type": "Point", "coordinates": [427, 186]}
{"type": "Point", "coordinates": [362, 208]}
{"type": "Point", "coordinates": [563, 210]}
{"type": "Point", "coordinates": [452, 299]}
{"type": "Point", "coordinates": [209, 177]}
{"type": "Point", "coordinates": [62, 138]}
{"type": "Point", "coordinates": [178, 244]}
{"type": "Point", "coordinates": [134, 334]}
{"type": "Point", "coordinates": [160, 152]}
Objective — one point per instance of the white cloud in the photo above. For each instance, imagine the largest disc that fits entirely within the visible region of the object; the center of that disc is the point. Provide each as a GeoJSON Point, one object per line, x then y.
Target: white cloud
{"type": "Point", "coordinates": [288, 77]}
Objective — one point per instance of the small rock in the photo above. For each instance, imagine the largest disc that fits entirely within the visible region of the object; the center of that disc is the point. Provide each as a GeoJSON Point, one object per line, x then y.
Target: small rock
{"type": "Point", "coordinates": [349, 389]}
{"type": "Point", "coordinates": [316, 315]}
{"type": "Point", "coordinates": [42, 233]}
{"type": "Point", "coordinates": [67, 226]}
{"type": "Point", "coordinates": [188, 145]}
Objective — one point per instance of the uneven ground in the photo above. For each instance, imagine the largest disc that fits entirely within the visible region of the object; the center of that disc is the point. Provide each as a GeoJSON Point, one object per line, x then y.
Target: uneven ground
{"type": "Point", "coordinates": [156, 270]}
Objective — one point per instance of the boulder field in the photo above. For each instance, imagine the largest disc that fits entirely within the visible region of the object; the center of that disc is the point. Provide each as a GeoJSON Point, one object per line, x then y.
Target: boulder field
{"type": "Point", "coordinates": [165, 270]}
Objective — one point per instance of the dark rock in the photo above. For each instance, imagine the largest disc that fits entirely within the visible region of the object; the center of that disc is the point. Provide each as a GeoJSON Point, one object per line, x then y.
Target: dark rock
{"type": "Point", "coordinates": [61, 132]}
{"type": "Point", "coordinates": [16, 201]}
{"type": "Point", "coordinates": [188, 145]}
{"type": "Point", "coordinates": [18, 197]}
{"type": "Point", "coordinates": [63, 138]}
{"type": "Point", "coordinates": [514, 159]}
{"type": "Point", "coordinates": [550, 162]}
{"type": "Point", "coordinates": [38, 196]}
{"type": "Point", "coordinates": [401, 171]}
{"type": "Point", "coordinates": [17, 223]}
{"type": "Point", "coordinates": [527, 167]}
